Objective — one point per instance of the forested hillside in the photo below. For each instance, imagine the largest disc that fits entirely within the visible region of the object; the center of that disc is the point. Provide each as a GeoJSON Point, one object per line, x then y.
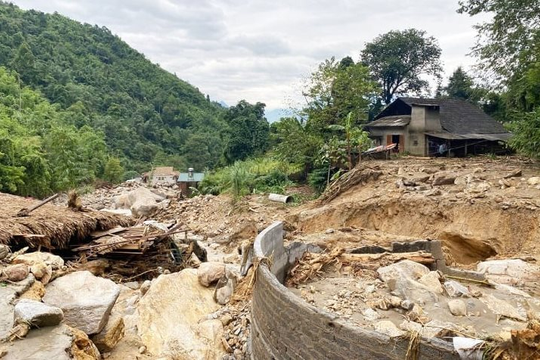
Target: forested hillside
{"type": "Point", "coordinates": [95, 80]}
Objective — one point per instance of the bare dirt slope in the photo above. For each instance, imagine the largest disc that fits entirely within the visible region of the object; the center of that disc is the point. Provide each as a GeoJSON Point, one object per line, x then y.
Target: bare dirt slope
{"type": "Point", "coordinates": [479, 207]}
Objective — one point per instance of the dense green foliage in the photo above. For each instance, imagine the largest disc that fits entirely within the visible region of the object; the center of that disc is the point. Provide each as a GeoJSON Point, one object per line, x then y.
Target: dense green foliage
{"type": "Point", "coordinates": [245, 177]}
{"type": "Point", "coordinates": [146, 114]}
{"type": "Point", "coordinates": [508, 47]}
{"type": "Point", "coordinates": [40, 152]}
{"type": "Point", "coordinates": [397, 59]}
{"type": "Point", "coordinates": [461, 86]}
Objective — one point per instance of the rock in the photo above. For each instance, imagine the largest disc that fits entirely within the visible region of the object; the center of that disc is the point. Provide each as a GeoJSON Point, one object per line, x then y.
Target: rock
{"type": "Point", "coordinates": [35, 292]}
{"type": "Point", "coordinates": [182, 301]}
{"type": "Point", "coordinates": [432, 281]}
{"type": "Point", "coordinates": [407, 305]}
{"type": "Point", "coordinates": [47, 343]}
{"type": "Point", "coordinates": [39, 270]}
{"type": "Point", "coordinates": [370, 314]}
{"type": "Point", "coordinates": [405, 268]}
{"type": "Point", "coordinates": [388, 328]}
{"type": "Point", "coordinates": [509, 271]}
{"type": "Point", "coordinates": [37, 314]}
{"type": "Point", "coordinates": [502, 308]}
{"type": "Point", "coordinates": [455, 289]}
{"type": "Point", "coordinates": [4, 251]}
{"type": "Point", "coordinates": [224, 289]}
{"type": "Point", "coordinates": [226, 319]}
{"type": "Point", "coordinates": [40, 257]}
{"type": "Point", "coordinates": [8, 295]}
{"type": "Point", "coordinates": [410, 326]}
{"type": "Point", "coordinates": [48, 275]}
{"type": "Point", "coordinates": [82, 348]}
{"type": "Point", "coordinates": [111, 335]}
{"type": "Point", "coordinates": [402, 280]}
{"type": "Point", "coordinates": [457, 307]}
{"type": "Point", "coordinates": [443, 179]}
{"type": "Point", "coordinates": [17, 272]}
{"type": "Point", "coordinates": [533, 181]}
{"type": "Point", "coordinates": [145, 286]}
{"type": "Point", "coordinates": [85, 299]}
{"type": "Point", "coordinates": [122, 202]}
{"type": "Point", "coordinates": [210, 272]}
{"type": "Point", "coordinates": [143, 202]}
{"type": "Point", "coordinates": [96, 267]}
{"type": "Point", "coordinates": [133, 285]}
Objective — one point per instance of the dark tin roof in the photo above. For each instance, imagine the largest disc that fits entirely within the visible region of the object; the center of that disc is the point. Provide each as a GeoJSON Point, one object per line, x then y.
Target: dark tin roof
{"type": "Point", "coordinates": [391, 121]}
{"type": "Point", "coordinates": [457, 116]}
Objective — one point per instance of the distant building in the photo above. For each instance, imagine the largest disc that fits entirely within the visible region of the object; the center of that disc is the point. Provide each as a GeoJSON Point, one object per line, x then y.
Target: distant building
{"type": "Point", "coordinates": [164, 175]}
{"type": "Point", "coordinates": [189, 180]}
{"type": "Point", "coordinates": [437, 127]}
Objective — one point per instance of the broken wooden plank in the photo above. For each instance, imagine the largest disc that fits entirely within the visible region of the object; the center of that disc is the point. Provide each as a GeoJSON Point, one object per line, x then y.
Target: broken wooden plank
{"type": "Point", "coordinates": [27, 211]}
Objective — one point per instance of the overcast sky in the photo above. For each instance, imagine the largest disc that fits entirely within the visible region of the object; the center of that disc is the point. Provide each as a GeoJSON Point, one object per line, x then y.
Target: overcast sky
{"type": "Point", "coordinates": [260, 50]}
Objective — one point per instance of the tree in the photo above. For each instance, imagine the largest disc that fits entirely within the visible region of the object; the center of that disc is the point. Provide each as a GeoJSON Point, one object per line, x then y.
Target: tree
{"type": "Point", "coordinates": [248, 131]}
{"type": "Point", "coordinates": [113, 170]}
{"type": "Point", "coordinates": [397, 59]}
{"type": "Point", "coordinates": [335, 90]}
{"type": "Point", "coordinates": [461, 86]}
{"type": "Point", "coordinates": [510, 39]}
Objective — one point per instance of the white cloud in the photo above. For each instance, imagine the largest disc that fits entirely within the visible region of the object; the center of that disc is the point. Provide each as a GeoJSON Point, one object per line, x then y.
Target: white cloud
{"type": "Point", "coordinates": [260, 50]}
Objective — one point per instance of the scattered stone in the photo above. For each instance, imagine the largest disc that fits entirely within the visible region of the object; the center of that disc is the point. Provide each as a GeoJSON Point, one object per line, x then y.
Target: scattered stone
{"type": "Point", "coordinates": [109, 337]}
{"type": "Point", "coordinates": [4, 251]}
{"type": "Point", "coordinates": [82, 347]}
{"type": "Point", "coordinates": [40, 257]}
{"type": "Point", "coordinates": [39, 270]}
{"type": "Point", "coordinates": [370, 314]}
{"type": "Point", "coordinates": [457, 307]}
{"type": "Point", "coordinates": [210, 272]}
{"type": "Point", "coordinates": [432, 281]}
{"type": "Point", "coordinates": [407, 305]}
{"type": "Point", "coordinates": [37, 314]}
{"type": "Point", "coordinates": [388, 328]}
{"type": "Point", "coordinates": [410, 326]}
{"type": "Point", "coordinates": [35, 292]}
{"type": "Point", "coordinates": [142, 349]}
{"type": "Point", "coordinates": [17, 272]}
{"type": "Point", "coordinates": [133, 285]}
{"type": "Point", "coordinates": [404, 268]}
{"type": "Point", "coordinates": [455, 289]}
{"type": "Point", "coordinates": [533, 181]}
{"type": "Point", "coordinates": [85, 299]}
{"type": "Point", "coordinates": [226, 319]}
{"type": "Point", "coordinates": [443, 179]}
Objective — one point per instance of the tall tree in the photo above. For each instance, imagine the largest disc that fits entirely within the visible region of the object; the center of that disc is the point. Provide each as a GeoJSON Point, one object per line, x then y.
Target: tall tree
{"type": "Point", "coordinates": [248, 131]}
{"type": "Point", "coordinates": [335, 90]}
{"type": "Point", "coordinates": [511, 36]}
{"type": "Point", "coordinates": [461, 86]}
{"type": "Point", "coordinates": [397, 59]}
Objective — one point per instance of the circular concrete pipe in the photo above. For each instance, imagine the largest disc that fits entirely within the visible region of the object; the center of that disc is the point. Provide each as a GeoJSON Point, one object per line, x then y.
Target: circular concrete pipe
{"type": "Point", "coordinates": [280, 198]}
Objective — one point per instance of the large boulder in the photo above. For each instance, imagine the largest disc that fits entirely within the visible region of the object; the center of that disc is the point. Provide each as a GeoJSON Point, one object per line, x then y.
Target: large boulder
{"type": "Point", "coordinates": [8, 295]}
{"type": "Point", "coordinates": [143, 201]}
{"type": "Point", "coordinates": [169, 315]}
{"type": "Point", "coordinates": [509, 271]}
{"type": "Point", "coordinates": [85, 299]}
{"type": "Point", "coordinates": [37, 313]}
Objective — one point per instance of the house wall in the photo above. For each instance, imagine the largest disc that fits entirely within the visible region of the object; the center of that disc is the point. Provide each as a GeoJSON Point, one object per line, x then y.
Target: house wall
{"type": "Point", "coordinates": [163, 180]}
{"type": "Point", "coordinates": [423, 119]}
{"type": "Point", "coordinates": [382, 135]}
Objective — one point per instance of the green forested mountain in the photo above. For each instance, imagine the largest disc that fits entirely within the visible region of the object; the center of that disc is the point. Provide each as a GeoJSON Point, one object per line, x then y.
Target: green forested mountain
{"type": "Point", "coordinates": [93, 80]}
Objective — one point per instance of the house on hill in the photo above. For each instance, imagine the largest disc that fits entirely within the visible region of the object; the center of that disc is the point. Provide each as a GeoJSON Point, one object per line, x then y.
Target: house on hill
{"type": "Point", "coordinates": [164, 175]}
{"type": "Point", "coordinates": [433, 127]}
{"type": "Point", "coordinates": [189, 180]}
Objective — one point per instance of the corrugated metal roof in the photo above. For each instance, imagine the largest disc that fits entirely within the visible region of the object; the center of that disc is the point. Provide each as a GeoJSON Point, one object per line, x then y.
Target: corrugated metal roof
{"type": "Point", "coordinates": [489, 137]}
{"type": "Point", "coordinates": [391, 121]}
{"type": "Point", "coordinates": [197, 177]}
